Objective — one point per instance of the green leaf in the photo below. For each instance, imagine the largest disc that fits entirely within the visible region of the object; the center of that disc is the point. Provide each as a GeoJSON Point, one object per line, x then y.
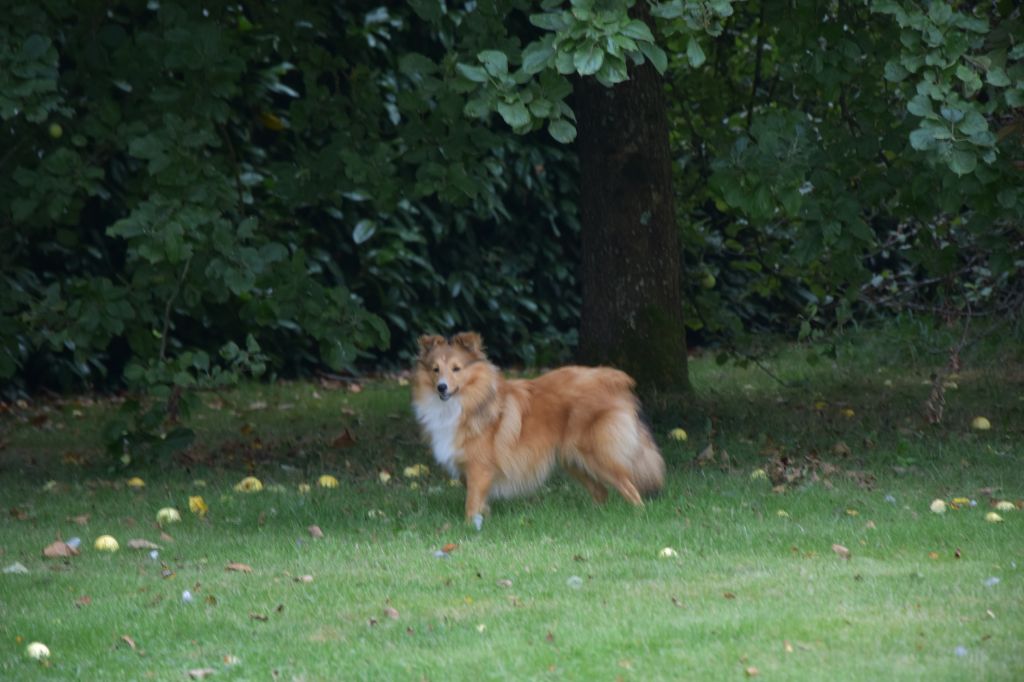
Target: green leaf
{"type": "Point", "coordinates": [588, 59]}
{"type": "Point", "coordinates": [562, 131]}
{"type": "Point", "coordinates": [550, 21]}
{"type": "Point", "coordinates": [920, 105]}
{"type": "Point", "coordinates": [997, 77]}
{"type": "Point", "coordinates": [655, 55]}
{"type": "Point", "coordinates": [694, 53]}
{"type": "Point", "coordinates": [970, 78]}
{"type": "Point", "coordinates": [895, 72]}
{"type": "Point", "coordinates": [940, 13]}
{"type": "Point", "coordinates": [537, 55]}
{"type": "Point", "coordinates": [973, 124]}
{"type": "Point", "coordinates": [515, 114]}
{"type": "Point", "coordinates": [415, 64]}
{"type": "Point", "coordinates": [473, 73]}
{"type": "Point", "coordinates": [638, 30]}
{"type": "Point", "coordinates": [495, 61]}
{"type": "Point", "coordinates": [963, 162]}
{"type": "Point", "coordinates": [668, 10]}
{"type": "Point", "coordinates": [363, 231]}
{"type": "Point", "coordinates": [952, 114]}
{"type": "Point", "coordinates": [922, 139]}
{"type": "Point", "coordinates": [478, 107]}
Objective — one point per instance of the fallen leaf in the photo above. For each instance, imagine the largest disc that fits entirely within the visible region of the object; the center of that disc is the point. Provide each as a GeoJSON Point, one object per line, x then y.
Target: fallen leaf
{"type": "Point", "coordinates": [933, 556]}
{"type": "Point", "coordinates": [956, 553]}
{"type": "Point", "coordinates": [84, 600]}
{"type": "Point", "coordinates": [59, 550]}
{"type": "Point", "coordinates": [677, 603]}
{"type": "Point", "coordinates": [139, 543]}
{"type": "Point", "coordinates": [241, 568]}
{"type": "Point", "coordinates": [786, 646]}
{"type": "Point", "coordinates": [19, 514]}
{"type": "Point", "coordinates": [344, 440]}
{"type": "Point", "coordinates": [841, 552]}
{"type": "Point", "coordinates": [706, 455]}
{"type": "Point", "coordinates": [81, 520]}
{"type": "Point", "coordinates": [751, 671]}
{"type": "Point", "coordinates": [126, 639]}
{"type": "Point", "coordinates": [315, 532]}
{"type": "Point", "coordinates": [504, 582]}
{"type": "Point", "coordinates": [258, 616]}
{"type": "Point", "coordinates": [449, 548]}
{"type": "Point", "coordinates": [550, 637]}
{"type": "Point", "coordinates": [304, 579]}
{"type": "Point", "coordinates": [166, 538]}
{"type": "Point", "coordinates": [728, 595]}
{"type": "Point", "coordinates": [279, 608]}
{"type": "Point", "coordinates": [391, 612]}
{"type": "Point", "coordinates": [197, 505]}
{"type": "Point", "coordinates": [200, 673]}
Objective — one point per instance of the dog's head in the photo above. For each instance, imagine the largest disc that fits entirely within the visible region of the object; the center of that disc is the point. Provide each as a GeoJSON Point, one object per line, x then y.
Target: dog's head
{"type": "Point", "coordinates": [445, 366]}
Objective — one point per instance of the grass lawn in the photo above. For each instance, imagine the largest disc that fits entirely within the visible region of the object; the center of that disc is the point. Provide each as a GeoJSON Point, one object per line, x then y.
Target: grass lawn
{"type": "Point", "coordinates": [554, 587]}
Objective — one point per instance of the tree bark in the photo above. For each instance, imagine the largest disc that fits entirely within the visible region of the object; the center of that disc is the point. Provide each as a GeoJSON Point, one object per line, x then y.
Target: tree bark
{"type": "Point", "coordinates": [632, 304]}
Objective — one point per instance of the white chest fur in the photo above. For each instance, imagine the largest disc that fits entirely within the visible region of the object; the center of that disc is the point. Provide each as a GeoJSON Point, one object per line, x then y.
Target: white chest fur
{"type": "Point", "coordinates": [440, 419]}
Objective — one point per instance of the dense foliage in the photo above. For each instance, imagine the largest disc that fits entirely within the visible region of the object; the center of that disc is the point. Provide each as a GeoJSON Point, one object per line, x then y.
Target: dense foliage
{"type": "Point", "coordinates": [191, 192]}
{"type": "Point", "coordinates": [840, 158]}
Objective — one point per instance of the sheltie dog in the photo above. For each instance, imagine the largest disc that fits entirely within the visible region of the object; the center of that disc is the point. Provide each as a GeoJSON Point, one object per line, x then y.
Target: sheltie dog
{"type": "Point", "coordinates": [503, 437]}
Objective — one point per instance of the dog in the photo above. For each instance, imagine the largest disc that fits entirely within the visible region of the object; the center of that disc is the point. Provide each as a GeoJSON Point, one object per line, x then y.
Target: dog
{"type": "Point", "coordinates": [503, 437]}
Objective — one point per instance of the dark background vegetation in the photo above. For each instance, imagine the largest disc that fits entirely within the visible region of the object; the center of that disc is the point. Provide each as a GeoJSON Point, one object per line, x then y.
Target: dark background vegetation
{"type": "Point", "coordinates": [190, 192]}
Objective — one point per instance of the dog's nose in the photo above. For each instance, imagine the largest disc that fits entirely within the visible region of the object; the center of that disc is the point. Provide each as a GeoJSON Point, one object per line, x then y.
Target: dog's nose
{"type": "Point", "coordinates": [442, 388]}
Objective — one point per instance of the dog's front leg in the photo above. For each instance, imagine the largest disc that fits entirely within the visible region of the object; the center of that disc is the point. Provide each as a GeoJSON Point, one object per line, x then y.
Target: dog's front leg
{"type": "Point", "coordinates": [478, 485]}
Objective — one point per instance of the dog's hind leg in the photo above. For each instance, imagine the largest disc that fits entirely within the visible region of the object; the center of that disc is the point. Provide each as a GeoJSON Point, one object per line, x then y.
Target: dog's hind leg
{"type": "Point", "coordinates": [593, 486]}
{"type": "Point", "coordinates": [610, 471]}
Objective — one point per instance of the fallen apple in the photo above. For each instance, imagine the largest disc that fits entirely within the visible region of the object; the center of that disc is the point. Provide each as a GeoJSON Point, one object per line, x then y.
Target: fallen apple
{"type": "Point", "coordinates": [938, 506]}
{"type": "Point", "coordinates": [327, 481]}
{"type": "Point", "coordinates": [38, 651]}
{"type": "Point", "coordinates": [678, 434]}
{"type": "Point", "coordinates": [249, 484]}
{"type": "Point", "coordinates": [106, 543]}
{"type": "Point", "coordinates": [981, 424]}
{"type": "Point", "coordinates": [168, 515]}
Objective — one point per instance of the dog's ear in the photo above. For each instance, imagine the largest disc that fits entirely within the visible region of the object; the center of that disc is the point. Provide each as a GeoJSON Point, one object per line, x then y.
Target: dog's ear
{"type": "Point", "coordinates": [428, 341]}
{"type": "Point", "coordinates": [471, 342]}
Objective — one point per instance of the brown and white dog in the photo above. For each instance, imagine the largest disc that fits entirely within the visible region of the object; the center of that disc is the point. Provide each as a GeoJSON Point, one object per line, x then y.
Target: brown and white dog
{"type": "Point", "coordinates": [503, 437]}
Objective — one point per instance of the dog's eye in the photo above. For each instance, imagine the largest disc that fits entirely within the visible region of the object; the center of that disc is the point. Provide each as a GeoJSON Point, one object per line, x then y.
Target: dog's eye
{"type": "Point", "coordinates": [435, 370]}
{"type": "Point", "coordinates": [456, 368]}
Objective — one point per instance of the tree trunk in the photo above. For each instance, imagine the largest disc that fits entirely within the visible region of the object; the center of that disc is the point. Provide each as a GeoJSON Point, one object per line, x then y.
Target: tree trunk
{"type": "Point", "coordinates": [632, 305]}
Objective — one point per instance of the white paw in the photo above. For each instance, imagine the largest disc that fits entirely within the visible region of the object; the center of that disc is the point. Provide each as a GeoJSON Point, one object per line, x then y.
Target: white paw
{"type": "Point", "coordinates": [478, 521]}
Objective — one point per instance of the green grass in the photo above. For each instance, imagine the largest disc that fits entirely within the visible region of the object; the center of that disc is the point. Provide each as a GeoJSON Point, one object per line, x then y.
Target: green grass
{"type": "Point", "coordinates": [746, 581]}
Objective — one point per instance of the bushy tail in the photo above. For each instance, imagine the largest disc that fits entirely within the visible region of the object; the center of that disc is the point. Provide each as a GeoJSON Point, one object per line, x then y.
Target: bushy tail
{"type": "Point", "coordinates": [647, 465]}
